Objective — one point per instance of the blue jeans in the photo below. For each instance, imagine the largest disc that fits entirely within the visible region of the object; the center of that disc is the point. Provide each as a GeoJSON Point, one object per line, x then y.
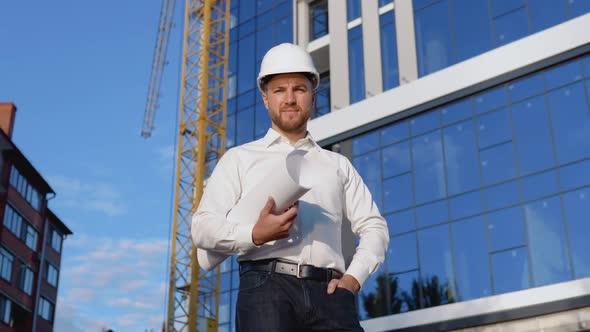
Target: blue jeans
{"type": "Point", "coordinates": [277, 302]}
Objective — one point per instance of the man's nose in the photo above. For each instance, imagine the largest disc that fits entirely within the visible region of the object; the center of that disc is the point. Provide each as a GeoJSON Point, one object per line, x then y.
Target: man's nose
{"type": "Point", "coordinates": [290, 97]}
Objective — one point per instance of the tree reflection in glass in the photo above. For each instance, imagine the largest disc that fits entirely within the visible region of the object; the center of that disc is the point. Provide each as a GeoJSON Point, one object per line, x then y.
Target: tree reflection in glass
{"type": "Point", "coordinates": [388, 297]}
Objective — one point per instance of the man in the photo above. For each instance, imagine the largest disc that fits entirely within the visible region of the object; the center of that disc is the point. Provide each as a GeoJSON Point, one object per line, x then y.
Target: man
{"type": "Point", "coordinates": [288, 281]}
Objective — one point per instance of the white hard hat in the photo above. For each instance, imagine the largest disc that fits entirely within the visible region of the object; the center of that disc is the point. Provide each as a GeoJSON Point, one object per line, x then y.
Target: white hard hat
{"type": "Point", "coordinates": [287, 58]}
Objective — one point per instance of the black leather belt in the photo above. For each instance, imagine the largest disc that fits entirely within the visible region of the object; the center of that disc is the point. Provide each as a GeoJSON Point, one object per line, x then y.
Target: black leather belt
{"type": "Point", "coordinates": [293, 269]}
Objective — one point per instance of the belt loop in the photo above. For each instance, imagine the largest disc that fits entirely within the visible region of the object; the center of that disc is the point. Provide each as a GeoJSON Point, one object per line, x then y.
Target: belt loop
{"type": "Point", "coordinates": [273, 266]}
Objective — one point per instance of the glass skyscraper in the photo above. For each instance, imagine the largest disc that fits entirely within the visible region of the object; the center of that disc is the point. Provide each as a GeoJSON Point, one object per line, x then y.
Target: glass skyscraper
{"type": "Point", "coordinates": [469, 120]}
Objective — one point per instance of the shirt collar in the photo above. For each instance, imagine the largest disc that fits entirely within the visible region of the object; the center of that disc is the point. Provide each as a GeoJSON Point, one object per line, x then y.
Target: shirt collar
{"type": "Point", "coordinates": [272, 136]}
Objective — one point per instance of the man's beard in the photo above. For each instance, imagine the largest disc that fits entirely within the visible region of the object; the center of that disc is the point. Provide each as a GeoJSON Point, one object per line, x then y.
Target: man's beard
{"type": "Point", "coordinates": [290, 125]}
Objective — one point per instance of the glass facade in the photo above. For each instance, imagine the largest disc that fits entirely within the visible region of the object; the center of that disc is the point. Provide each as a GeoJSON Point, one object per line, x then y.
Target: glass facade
{"type": "Point", "coordinates": [356, 71]}
{"type": "Point", "coordinates": [389, 65]}
{"type": "Point", "coordinates": [322, 102]}
{"type": "Point", "coordinates": [256, 26]}
{"type": "Point", "coordinates": [485, 195]}
{"type": "Point", "coordinates": [450, 31]}
{"type": "Point", "coordinates": [318, 13]}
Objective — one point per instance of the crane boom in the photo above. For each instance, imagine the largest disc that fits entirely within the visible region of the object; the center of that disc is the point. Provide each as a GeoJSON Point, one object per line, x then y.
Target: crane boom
{"type": "Point", "coordinates": [159, 61]}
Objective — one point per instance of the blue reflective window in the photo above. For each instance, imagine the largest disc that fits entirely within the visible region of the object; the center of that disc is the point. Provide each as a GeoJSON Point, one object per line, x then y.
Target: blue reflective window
{"type": "Point", "coordinates": [436, 259]}
{"type": "Point", "coordinates": [246, 100]}
{"type": "Point", "coordinates": [402, 255]}
{"type": "Point", "coordinates": [322, 103]}
{"type": "Point", "coordinates": [263, 43]}
{"type": "Point", "coordinates": [571, 122]}
{"type": "Point", "coordinates": [506, 229]}
{"type": "Point", "coordinates": [246, 68]}
{"type": "Point", "coordinates": [224, 308]}
{"type": "Point", "coordinates": [497, 163]}
{"type": "Point", "coordinates": [510, 271]}
{"type": "Point", "coordinates": [549, 255]}
{"type": "Point", "coordinates": [494, 128]}
{"type": "Point", "coordinates": [353, 9]}
{"type": "Point", "coordinates": [511, 26]}
{"type": "Point", "coordinates": [356, 64]}
{"type": "Point", "coordinates": [579, 7]}
{"type": "Point", "coordinates": [433, 213]}
{"type": "Point", "coordinates": [262, 121]}
{"type": "Point", "coordinates": [428, 164]}
{"type": "Point", "coordinates": [284, 29]}
{"type": "Point", "coordinates": [433, 38]}
{"type": "Point", "coordinates": [473, 34]}
{"type": "Point", "coordinates": [424, 122]}
{"type": "Point", "coordinates": [395, 133]}
{"type": "Point", "coordinates": [418, 4]}
{"type": "Point", "coordinates": [263, 21]}
{"type": "Point", "coordinates": [564, 74]}
{"type": "Point", "coordinates": [389, 68]}
{"type": "Point", "coordinates": [461, 157]}
{"type": "Point", "coordinates": [263, 5]}
{"type": "Point", "coordinates": [245, 126]}
{"type": "Point", "coordinates": [405, 286]}
{"type": "Point", "coordinates": [282, 10]}
{"type": "Point", "coordinates": [526, 87]}
{"type": "Point", "coordinates": [539, 185]}
{"type": "Point", "coordinates": [365, 143]}
{"type": "Point", "coordinates": [225, 282]}
{"type": "Point", "coordinates": [230, 131]}
{"type": "Point", "coordinates": [466, 205]}
{"type": "Point", "coordinates": [491, 99]}
{"type": "Point", "coordinates": [369, 167]}
{"type": "Point", "coordinates": [247, 10]}
{"type": "Point", "coordinates": [384, 2]}
{"type": "Point", "coordinates": [546, 13]}
{"type": "Point", "coordinates": [500, 7]}
{"type": "Point", "coordinates": [502, 195]}
{"type": "Point", "coordinates": [577, 210]}
{"type": "Point", "coordinates": [456, 111]}
{"type": "Point", "coordinates": [318, 12]}
{"type": "Point", "coordinates": [396, 159]}
{"type": "Point", "coordinates": [397, 193]}
{"type": "Point", "coordinates": [371, 299]}
{"type": "Point", "coordinates": [532, 135]}
{"type": "Point", "coordinates": [575, 175]}
{"type": "Point", "coordinates": [401, 222]}
{"type": "Point", "coordinates": [586, 65]}
{"type": "Point", "coordinates": [471, 259]}
{"type": "Point", "coordinates": [247, 28]}
{"type": "Point", "coordinates": [235, 279]}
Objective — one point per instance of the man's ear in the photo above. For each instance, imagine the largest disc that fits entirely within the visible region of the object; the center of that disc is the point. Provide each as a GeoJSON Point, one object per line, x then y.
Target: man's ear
{"type": "Point", "coordinates": [265, 98]}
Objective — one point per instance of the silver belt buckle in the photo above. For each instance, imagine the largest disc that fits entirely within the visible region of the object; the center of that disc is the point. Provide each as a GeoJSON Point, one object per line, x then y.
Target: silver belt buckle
{"type": "Point", "coordinates": [298, 274]}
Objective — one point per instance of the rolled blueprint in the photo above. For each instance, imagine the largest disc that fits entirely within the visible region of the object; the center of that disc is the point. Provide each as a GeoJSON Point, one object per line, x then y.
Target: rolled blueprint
{"type": "Point", "coordinates": [291, 178]}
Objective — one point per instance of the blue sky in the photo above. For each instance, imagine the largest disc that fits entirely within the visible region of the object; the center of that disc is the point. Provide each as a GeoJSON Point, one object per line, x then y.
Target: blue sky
{"type": "Point", "coordinates": [78, 72]}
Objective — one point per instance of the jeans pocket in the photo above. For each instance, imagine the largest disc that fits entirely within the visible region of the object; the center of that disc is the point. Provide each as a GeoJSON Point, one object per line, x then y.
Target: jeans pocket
{"type": "Point", "coordinates": [346, 291]}
{"type": "Point", "coordinates": [252, 280]}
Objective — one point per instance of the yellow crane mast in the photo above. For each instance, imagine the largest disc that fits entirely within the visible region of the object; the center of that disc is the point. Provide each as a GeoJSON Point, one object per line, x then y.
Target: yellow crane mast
{"type": "Point", "coordinates": [193, 294]}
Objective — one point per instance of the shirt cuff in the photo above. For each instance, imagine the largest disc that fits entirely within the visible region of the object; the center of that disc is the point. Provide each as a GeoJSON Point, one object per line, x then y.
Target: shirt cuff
{"type": "Point", "coordinates": [359, 271]}
{"type": "Point", "coordinates": [244, 237]}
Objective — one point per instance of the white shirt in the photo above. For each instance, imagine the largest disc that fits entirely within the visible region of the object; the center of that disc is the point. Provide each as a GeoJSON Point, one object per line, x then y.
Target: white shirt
{"type": "Point", "coordinates": [321, 210]}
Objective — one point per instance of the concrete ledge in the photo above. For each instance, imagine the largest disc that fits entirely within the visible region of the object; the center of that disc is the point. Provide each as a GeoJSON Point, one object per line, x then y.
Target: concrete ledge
{"type": "Point", "coordinates": [516, 305]}
{"type": "Point", "coordinates": [474, 72]}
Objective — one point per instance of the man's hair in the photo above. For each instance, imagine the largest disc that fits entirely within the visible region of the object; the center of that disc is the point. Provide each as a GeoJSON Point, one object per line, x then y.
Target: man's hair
{"type": "Point", "coordinates": [264, 81]}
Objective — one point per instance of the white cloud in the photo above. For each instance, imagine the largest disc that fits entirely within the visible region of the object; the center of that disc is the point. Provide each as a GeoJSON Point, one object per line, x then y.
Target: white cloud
{"type": "Point", "coordinates": [118, 279]}
{"type": "Point", "coordinates": [80, 295]}
{"type": "Point", "coordinates": [69, 319]}
{"type": "Point", "coordinates": [166, 153]}
{"type": "Point", "coordinates": [97, 196]}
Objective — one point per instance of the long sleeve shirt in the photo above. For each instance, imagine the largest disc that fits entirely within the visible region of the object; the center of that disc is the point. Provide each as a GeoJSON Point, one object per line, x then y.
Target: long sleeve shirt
{"type": "Point", "coordinates": [315, 237]}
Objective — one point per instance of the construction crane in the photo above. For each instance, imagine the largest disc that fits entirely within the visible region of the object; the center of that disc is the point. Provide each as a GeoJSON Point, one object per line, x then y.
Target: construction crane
{"type": "Point", "coordinates": [193, 294]}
